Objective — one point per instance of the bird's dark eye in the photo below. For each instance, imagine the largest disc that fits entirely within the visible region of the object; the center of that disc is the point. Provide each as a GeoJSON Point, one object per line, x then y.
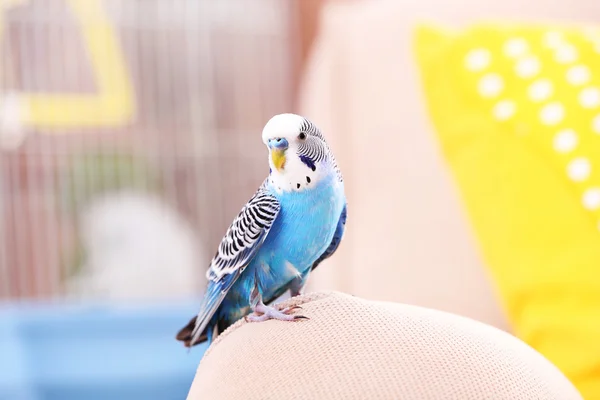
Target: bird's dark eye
{"type": "Point", "coordinates": [302, 136]}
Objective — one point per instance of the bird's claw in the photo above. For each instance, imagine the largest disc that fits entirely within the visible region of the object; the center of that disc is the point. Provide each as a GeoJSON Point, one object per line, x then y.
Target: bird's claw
{"type": "Point", "coordinates": [263, 313]}
{"type": "Point", "coordinates": [291, 308]}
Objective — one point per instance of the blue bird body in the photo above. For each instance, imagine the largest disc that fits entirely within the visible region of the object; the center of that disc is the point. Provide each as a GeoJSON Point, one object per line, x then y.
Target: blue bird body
{"type": "Point", "coordinates": [294, 221]}
{"type": "Point", "coordinates": [300, 234]}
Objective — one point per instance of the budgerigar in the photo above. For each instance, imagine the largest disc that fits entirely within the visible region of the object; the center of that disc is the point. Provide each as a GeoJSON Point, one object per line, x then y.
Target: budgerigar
{"type": "Point", "coordinates": [293, 222]}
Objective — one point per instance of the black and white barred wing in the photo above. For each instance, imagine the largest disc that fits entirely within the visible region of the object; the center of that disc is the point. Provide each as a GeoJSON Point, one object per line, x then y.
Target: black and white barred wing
{"type": "Point", "coordinates": [240, 244]}
{"type": "Point", "coordinates": [245, 235]}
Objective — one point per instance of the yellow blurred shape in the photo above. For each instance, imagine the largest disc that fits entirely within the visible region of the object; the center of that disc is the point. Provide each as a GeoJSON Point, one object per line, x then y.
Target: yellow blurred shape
{"type": "Point", "coordinates": [113, 105]}
{"type": "Point", "coordinates": [516, 109]}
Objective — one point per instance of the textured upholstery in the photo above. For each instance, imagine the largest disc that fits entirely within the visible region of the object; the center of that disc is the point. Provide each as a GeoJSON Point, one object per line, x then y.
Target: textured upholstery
{"type": "Point", "coordinates": [352, 348]}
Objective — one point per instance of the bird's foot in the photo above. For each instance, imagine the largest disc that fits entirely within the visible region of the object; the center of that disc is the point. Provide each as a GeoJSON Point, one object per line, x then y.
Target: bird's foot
{"type": "Point", "coordinates": [263, 313]}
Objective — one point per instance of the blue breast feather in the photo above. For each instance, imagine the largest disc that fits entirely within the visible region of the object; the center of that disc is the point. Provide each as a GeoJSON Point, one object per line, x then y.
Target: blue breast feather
{"type": "Point", "coordinates": [301, 232]}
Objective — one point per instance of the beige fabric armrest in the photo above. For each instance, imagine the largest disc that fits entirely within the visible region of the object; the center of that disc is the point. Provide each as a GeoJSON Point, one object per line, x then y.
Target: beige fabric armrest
{"type": "Point", "coordinates": [352, 348]}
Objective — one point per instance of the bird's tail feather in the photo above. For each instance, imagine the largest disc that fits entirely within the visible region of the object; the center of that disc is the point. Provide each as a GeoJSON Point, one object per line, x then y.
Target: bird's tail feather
{"type": "Point", "coordinates": [215, 293]}
{"type": "Point", "coordinates": [185, 334]}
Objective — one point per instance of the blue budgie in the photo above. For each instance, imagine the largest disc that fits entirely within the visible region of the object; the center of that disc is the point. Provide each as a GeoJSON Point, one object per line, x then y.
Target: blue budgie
{"type": "Point", "coordinates": [293, 222]}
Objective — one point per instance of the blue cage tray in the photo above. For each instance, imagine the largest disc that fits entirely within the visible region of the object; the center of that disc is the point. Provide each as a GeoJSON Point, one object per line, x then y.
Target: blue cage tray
{"type": "Point", "coordinates": [92, 351]}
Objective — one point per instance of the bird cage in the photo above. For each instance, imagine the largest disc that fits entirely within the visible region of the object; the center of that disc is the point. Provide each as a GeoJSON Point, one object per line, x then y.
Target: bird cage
{"type": "Point", "coordinates": [130, 138]}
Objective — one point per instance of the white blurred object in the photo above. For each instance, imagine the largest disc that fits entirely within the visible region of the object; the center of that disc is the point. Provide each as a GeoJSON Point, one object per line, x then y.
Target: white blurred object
{"type": "Point", "coordinates": [12, 132]}
{"type": "Point", "coordinates": [137, 248]}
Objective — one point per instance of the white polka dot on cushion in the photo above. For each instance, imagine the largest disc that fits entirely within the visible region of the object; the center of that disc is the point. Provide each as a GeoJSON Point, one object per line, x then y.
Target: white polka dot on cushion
{"type": "Point", "coordinates": [591, 198]}
{"type": "Point", "coordinates": [592, 34]}
{"type": "Point", "coordinates": [596, 124]}
{"type": "Point", "coordinates": [490, 85]}
{"type": "Point", "coordinates": [553, 39]}
{"type": "Point", "coordinates": [589, 97]}
{"type": "Point", "coordinates": [478, 59]}
{"type": "Point", "coordinates": [552, 113]}
{"type": "Point", "coordinates": [578, 75]}
{"type": "Point", "coordinates": [515, 47]}
{"type": "Point", "coordinates": [565, 141]}
{"type": "Point", "coordinates": [579, 169]}
{"type": "Point", "coordinates": [504, 110]}
{"type": "Point", "coordinates": [527, 67]}
{"type": "Point", "coordinates": [540, 90]}
{"type": "Point", "coordinates": [565, 54]}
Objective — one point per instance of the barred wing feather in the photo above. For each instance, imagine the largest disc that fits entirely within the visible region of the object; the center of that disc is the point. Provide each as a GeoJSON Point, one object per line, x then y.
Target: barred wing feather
{"type": "Point", "coordinates": [240, 244]}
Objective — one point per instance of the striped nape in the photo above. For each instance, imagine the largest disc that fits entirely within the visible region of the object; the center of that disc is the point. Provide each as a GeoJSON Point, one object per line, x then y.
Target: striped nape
{"type": "Point", "coordinates": [315, 148]}
{"type": "Point", "coordinates": [337, 170]}
{"type": "Point", "coordinates": [311, 129]}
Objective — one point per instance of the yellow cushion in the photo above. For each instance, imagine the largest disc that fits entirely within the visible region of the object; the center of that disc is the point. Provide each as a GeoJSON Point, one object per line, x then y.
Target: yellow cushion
{"type": "Point", "coordinates": [516, 109]}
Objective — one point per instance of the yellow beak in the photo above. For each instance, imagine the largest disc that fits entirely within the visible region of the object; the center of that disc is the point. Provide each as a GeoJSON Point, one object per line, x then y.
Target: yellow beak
{"type": "Point", "coordinates": [278, 157]}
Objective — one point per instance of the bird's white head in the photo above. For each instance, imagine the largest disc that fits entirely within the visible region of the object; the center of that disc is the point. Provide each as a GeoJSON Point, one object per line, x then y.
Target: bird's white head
{"type": "Point", "coordinates": [299, 156]}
